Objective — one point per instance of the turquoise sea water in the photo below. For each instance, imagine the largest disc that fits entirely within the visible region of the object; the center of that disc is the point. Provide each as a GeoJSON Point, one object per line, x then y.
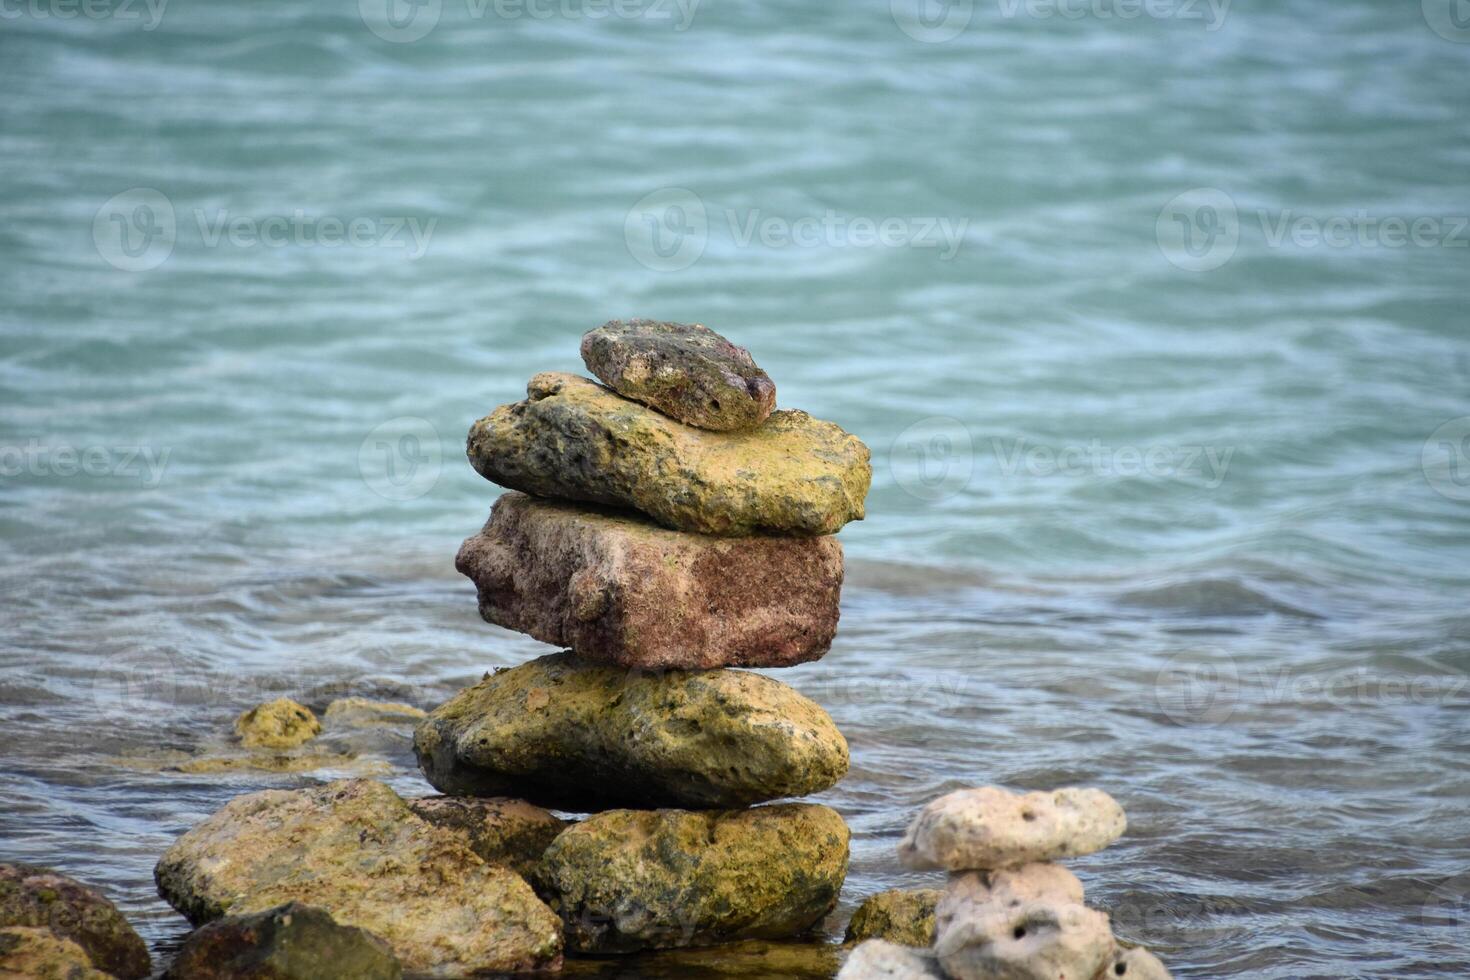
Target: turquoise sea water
{"type": "Point", "coordinates": [1156, 326]}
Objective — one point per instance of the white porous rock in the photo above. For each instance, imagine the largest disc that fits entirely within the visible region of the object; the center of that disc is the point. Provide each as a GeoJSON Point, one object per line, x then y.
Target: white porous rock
{"type": "Point", "coordinates": [1133, 963]}
{"type": "Point", "coordinates": [878, 959]}
{"type": "Point", "coordinates": [1039, 940]}
{"type": "Point", "coordinates": [989, 827]}
{"type": "Point", "coordinates": [975, 893]}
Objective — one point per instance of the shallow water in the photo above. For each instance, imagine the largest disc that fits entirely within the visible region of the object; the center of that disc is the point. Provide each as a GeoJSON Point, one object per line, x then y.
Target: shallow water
{"type": "Point", "coordinates": [1181, 522]}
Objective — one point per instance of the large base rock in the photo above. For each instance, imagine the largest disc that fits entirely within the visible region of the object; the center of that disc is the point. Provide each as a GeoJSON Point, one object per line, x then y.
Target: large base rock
{"type": "Point", "coordinates": [685, 370]}
{"type": "Point", "coordinates": [356, 849]}
{"type": "Point", "coordinates": [989, 827]}
{"type": "Point", "coordinates": [575, 439]}
{"type": "Point", "coordinates": [32, 896]}
{"type": "Point", "coordinates": [290, 942]}
{"type": "Point", "coordinates": [580, 737]}
{"type": "Point", "coordinates": [617, 588]}
{"type": "Point", "coordinates": [625, 880]}
{"type": "Point", "coordinates": [1041, 940]}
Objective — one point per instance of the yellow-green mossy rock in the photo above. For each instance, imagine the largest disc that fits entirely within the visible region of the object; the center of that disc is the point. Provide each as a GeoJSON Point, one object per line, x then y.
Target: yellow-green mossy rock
{"type": "Point", "coordinates": [511, 833]}
{"type": "Point", "coordinates": [569, 735]}
{"type": "Point", "coordinates": [33, 953]}
{"type": "Point", "coordinates": [356, 849]}
{"type": "Point", "coordinates": [278, 724]}
{"type": "Point", "coordinates": [575, 439]}
{"type": "Point", "coordinates": [625, 880]}
{"type": "Point", "coordinates": [899, 916]}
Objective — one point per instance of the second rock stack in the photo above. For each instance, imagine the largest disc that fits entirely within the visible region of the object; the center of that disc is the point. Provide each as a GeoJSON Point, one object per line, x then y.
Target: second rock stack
{"type": "Point", "coordinates": [670, 525]}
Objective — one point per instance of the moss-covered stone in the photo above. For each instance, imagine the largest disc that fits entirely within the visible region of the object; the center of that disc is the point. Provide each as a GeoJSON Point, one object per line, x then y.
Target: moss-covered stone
{"type": "Point", "coordinates": [366, 713]}
{"type": "Point", "coordinates": [278, 724]}
{"type": "Point", "coordinates": [356, 849]}
{"type": "Point", "coordinates": [685, 370]}
{"type": "Point", "coordinates": [33, 953]}
{"type": "Point", "coordinates": [575, 439]}
{"type": "Point", "coordinates": [289, 942]}
{"type": "Point", "coordinates": [899, 916]}
{"type": "Point", "coordinates": [32, 896]}
{"type": "Point", "coordinates": [752, 959]}
{"type": "Point", "coordinates": [582, 737]}
{"type": "Point", "coordinates": [625, 880]}
{"type": "Point", "coordinates": [510, 833]}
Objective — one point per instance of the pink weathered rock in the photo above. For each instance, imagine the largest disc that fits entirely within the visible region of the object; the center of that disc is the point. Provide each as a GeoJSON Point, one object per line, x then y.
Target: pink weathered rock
{"type": "Point", "coordinates": [619, 589]}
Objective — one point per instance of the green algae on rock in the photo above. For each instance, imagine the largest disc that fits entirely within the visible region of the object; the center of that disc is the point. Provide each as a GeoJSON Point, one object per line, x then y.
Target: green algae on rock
{"type": "Point", "coordinates": [32, 896]}
{"type": "Point", "coordinates": [278, 724]}
{"type": "Point", "coordinates": [624, 880]}
{"type": "Point", "coordinates": [581, 737]}
{"type": "Point", "coordinates": [899, 916]}
{"type": "Point", "coordinates": [506, 832]}
{"type": "Point", "coordinates": [289, 942]}
{"type": "Point", "coordinates": [575, 439]}
{"type": "Point", "coordinates": [685, 370]}
{"type": "Point", "coordinates": [356, 849]}
{"type": "Point", "coordinates": [617, 588]}
{"type": "Point", "coordinates": [34, 953]}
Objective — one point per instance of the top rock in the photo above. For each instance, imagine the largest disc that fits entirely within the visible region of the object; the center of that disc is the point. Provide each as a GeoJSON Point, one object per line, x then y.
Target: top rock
{"type": "Point", "coordinates": [684, 370]}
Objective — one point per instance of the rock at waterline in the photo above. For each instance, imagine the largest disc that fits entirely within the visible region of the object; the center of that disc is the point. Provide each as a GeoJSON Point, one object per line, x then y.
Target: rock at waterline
{"type": "Point", "coordinates": [684, 370]}
{"type": "Point", "coordinates": [990, 827]}
{"type": "Point", "coordinates": [366, 713]}
{"type": "Point", "coordinates": [33, 953]}
{"type": "Point", "coordinates": [278, 724]}
{"type": "Point", "coordinates": [575, 439]}
{"type": "Point", "coordinates": [32, 896]}
{"type": "Point", "coordinates": [581, 737]}
{"type": "Point", "coordinates": [879, 959]}
{"type": "Point", "coordinates": [502, 831]}
{"type": "Point", "coordinates": [750, 959]}
{"type": "Point", "coordinates": [624, 880]}
{"type": "Point", "coordinates": [899, 916]}
{"type": "Point", "coordinates": [1039, 940]}
{"type": "Point", "coordinates": [356, 849]}
{"type": "Point", "coordinates": [617, 588]}
{"type": "Point", "coordinates": [289, 942]}
{"type": "Point", "coordinates": [973, 893]}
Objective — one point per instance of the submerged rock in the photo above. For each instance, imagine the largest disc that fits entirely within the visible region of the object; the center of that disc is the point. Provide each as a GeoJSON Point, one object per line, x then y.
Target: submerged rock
{"type": "Point", "coordinates": [899, 916]}
{"type": "Point", "coordinates": [619, 589]}
{"type": "Point", "coordinates": [990, 827]}
{"type": "Point", "coordinates": [356, 849]}
{"type": "Point", "coordinates": [974, 893]}
{"type": "Point", "coordinates": [752, 959]}
{"type": "Point", "coordinates": [278, 724]}
{"type": "Point", "coordinates": [879, 959]}
{"type": "Point", "coordinates": [366, 713]}
{"type": "Point", "coordinates": [575, 439]}
{"type": "Point", "coordinates": [506, 832]}
{"type": "Point", "coordinates": [33, 953]}
{"type": "Point", "coordinates": [289, 942]}
{"type": "Point", "coordinates": [625, 880]}
{"type": "Point", "coordinates": [32, 896]}
{"type": "Point", "coordinates": [685, 370]}
{"type": "Point", "coordinates": [1039, 940]}
{"type": "Point", "coordinates": [582, 737]}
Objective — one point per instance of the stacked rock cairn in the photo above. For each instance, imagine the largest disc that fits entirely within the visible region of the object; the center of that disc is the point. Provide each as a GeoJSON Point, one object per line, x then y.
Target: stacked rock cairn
{"type": "Point", "coordinates": [1008, 911]}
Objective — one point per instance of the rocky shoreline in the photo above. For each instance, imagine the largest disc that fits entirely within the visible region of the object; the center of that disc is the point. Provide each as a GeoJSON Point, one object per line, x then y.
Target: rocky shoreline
{"type": "Point", "coordinates": [638, 791]}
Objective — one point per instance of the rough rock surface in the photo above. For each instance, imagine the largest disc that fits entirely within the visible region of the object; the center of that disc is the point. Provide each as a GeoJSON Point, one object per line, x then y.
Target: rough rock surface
{"type": "Point", "coordinates": [624, 880]}
{"type": "Point", "coordinates": [990, 827]}
{"type": "Point", "coordinates": [568, 735]}
{"type": "Point", "coordinates": [1040, 940]}
{"type": "Point", "coordinates": [366, 713]}
{"type": "Point", "coordinates": [617, 588]}
{"type": "Point", "coordinates": [879, 959]}
{"type": "Point", "coordinates": [1133, 963]}
{"type": "Point", "coordinates": [289, 942]}
{"type": "Point", "coordinates": [33, 953]}
{"type": "Point", "coordinates": [356, 849]}
{"type": "Point", "coordinates": [575, 439]}
{"type": "Point", "coordinates": [278, 724]}
{"type": "Point", "coordinates": [899, 916]}
{"type": "Point", "coordinates": [685, 370]}
{"type": "Point", "coordinates": [32, 896]}
{"type": "Point", "coordinates": [973, 893]}
{"type": "Point", "coordinates": [510, 833]}
{"type": "Point", "coordinates": [752, 959]}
